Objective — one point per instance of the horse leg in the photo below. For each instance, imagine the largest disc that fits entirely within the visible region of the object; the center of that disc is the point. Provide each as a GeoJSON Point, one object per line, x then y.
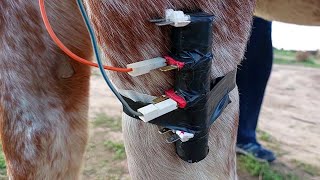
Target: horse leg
{"type": "Point", "coordinates": [150, 157]}
{"type": "Point", "coordinates": [126, 36]}
{"type": "Point", "coordinates": [43, 94]}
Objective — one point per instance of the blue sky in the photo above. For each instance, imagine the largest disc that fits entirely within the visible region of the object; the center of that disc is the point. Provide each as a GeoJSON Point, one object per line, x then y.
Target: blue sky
{"type": "Point", "coordinates": [295, 37]}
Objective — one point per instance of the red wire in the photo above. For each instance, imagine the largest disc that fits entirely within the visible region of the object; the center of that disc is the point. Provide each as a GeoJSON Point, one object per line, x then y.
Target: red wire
{"type": "Point", "coordinates": [65, 49]}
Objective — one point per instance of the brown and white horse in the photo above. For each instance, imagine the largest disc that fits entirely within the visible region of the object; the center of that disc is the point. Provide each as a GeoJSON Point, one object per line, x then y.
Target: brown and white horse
{"type": "Point", "coordinates": [44, 94]}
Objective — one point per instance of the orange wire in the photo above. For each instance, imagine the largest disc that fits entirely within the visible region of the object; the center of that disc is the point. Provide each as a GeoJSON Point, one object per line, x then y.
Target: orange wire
{"type": "Point", "coordinates": [65, 49]}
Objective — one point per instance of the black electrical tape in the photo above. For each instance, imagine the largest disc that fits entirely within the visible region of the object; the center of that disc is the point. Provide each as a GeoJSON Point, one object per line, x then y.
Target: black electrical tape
{"type": "Point", "coordinates": [178, 119]}
{"type": "Point", "coordinates": [206, 97]}
{"type": "Point", "coordinates": [196, 148]}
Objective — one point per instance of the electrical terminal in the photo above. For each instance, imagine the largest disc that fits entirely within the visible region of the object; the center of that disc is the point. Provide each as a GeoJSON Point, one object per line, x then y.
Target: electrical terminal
{"type": "Point", "coordinates": [178, 18]}
{"type": "Point", "coordinates": [160, 99]}
{"type": "Point", "coordinates": [153, 111]}
{"type": "Point", "coordinates": [144, 67]}
{"type": "Point", "coordinates": [163, 64]}
{"type": "Point", "coordinates": [179, 135]}
{"type": "Point", "coordinates": [173, 18]}
{"type": "Point", "coordinates": [184, 136]}
{"type": "Point", "coordinates": [168, 68]}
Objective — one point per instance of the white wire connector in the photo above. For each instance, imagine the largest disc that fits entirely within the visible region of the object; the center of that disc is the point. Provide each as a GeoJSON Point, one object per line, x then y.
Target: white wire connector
{"type": "Point", "coordinates": [184, 136]}
{"type": "Point", "coordinates": [144, 67]}
{"type": "Point", "coordinates": [178, 18]}
{"type": "Point", "coordinates": [153, 111]}
{"type": "Point", "coordinates": [173, 18]}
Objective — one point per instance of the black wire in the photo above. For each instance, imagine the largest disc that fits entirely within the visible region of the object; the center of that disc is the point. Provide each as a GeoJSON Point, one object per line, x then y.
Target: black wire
{"type": "Point", "coordinates": [97, 54]}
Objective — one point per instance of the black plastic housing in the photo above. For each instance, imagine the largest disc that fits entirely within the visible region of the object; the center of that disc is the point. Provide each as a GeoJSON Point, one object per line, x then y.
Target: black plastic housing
{"type": "Point", "coordinates": [192, 45]}
{"type": "Point", "coordinates": [206, 97]}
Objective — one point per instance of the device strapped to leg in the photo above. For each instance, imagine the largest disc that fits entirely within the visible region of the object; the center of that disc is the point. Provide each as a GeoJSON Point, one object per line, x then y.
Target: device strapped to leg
{"type": "Point", "coordinates": [197, 100]}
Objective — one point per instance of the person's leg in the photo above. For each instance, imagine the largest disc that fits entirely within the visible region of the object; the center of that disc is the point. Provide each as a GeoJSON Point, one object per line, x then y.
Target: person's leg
{"type": "Point", "coordinates": [252, 79]}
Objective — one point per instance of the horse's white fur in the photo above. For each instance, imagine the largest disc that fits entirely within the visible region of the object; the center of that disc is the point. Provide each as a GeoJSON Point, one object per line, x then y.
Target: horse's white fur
{"type": "Point", "coordinates": [149, 156]}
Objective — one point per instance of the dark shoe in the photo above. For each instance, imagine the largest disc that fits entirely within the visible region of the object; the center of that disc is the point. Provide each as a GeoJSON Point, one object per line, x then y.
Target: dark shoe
{"type": "Point", "coordinates": [256, 150]}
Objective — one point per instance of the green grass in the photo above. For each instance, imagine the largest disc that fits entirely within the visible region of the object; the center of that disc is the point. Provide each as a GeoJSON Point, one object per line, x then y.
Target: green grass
{"type": "Point", "coordinates": [264, 136]}
{"type": "Point", "coordinates": [312, 170]}
{"type": "Point", "coordinates": [289, 58]}
{"type": "Point", "coordinates": [271, 142]}
{"type": "Point", "coordinates": [115, 173]}
{"type": "Point", "coordinates": [102, 120]}
{"type": "Point", "coordinates": [284, 53]}
{"type": "Point", "coordinates": [117, 149]}
{"type": "Point", "coordinates": [3, 166]}
{"type": "Point", "coordinates": [262, 170]}
{"type": "Point", "coordinates": [308, 63]}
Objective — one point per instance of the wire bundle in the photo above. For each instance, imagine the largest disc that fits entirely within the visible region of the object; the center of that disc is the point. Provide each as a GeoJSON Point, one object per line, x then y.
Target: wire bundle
{"type": "Point", "coordinates": [96, 52]}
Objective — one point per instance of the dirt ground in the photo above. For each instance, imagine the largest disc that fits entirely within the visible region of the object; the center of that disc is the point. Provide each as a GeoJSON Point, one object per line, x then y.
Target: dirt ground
{"type": "Point", "coordinates": [290, 113]}
{"type": "Point", "coordinates": [289, 120]}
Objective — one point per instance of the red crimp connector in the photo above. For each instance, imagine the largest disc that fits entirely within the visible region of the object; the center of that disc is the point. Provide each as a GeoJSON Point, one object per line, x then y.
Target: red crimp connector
{"type": "Point", "coordinates": [171, 61]}
{"type": "Point", "coordinates": [182, 103]}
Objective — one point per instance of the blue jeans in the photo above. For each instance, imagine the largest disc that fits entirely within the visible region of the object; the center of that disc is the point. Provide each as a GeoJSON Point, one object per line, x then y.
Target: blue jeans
{"type": "Point", "coordinates": [252, 78]}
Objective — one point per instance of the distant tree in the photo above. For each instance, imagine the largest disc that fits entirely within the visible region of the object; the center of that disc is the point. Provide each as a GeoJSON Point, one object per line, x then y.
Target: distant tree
{"type": "Point", "coordinates": [302, 56]}
{"type": "Point", "coordinates": [317, 56]}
